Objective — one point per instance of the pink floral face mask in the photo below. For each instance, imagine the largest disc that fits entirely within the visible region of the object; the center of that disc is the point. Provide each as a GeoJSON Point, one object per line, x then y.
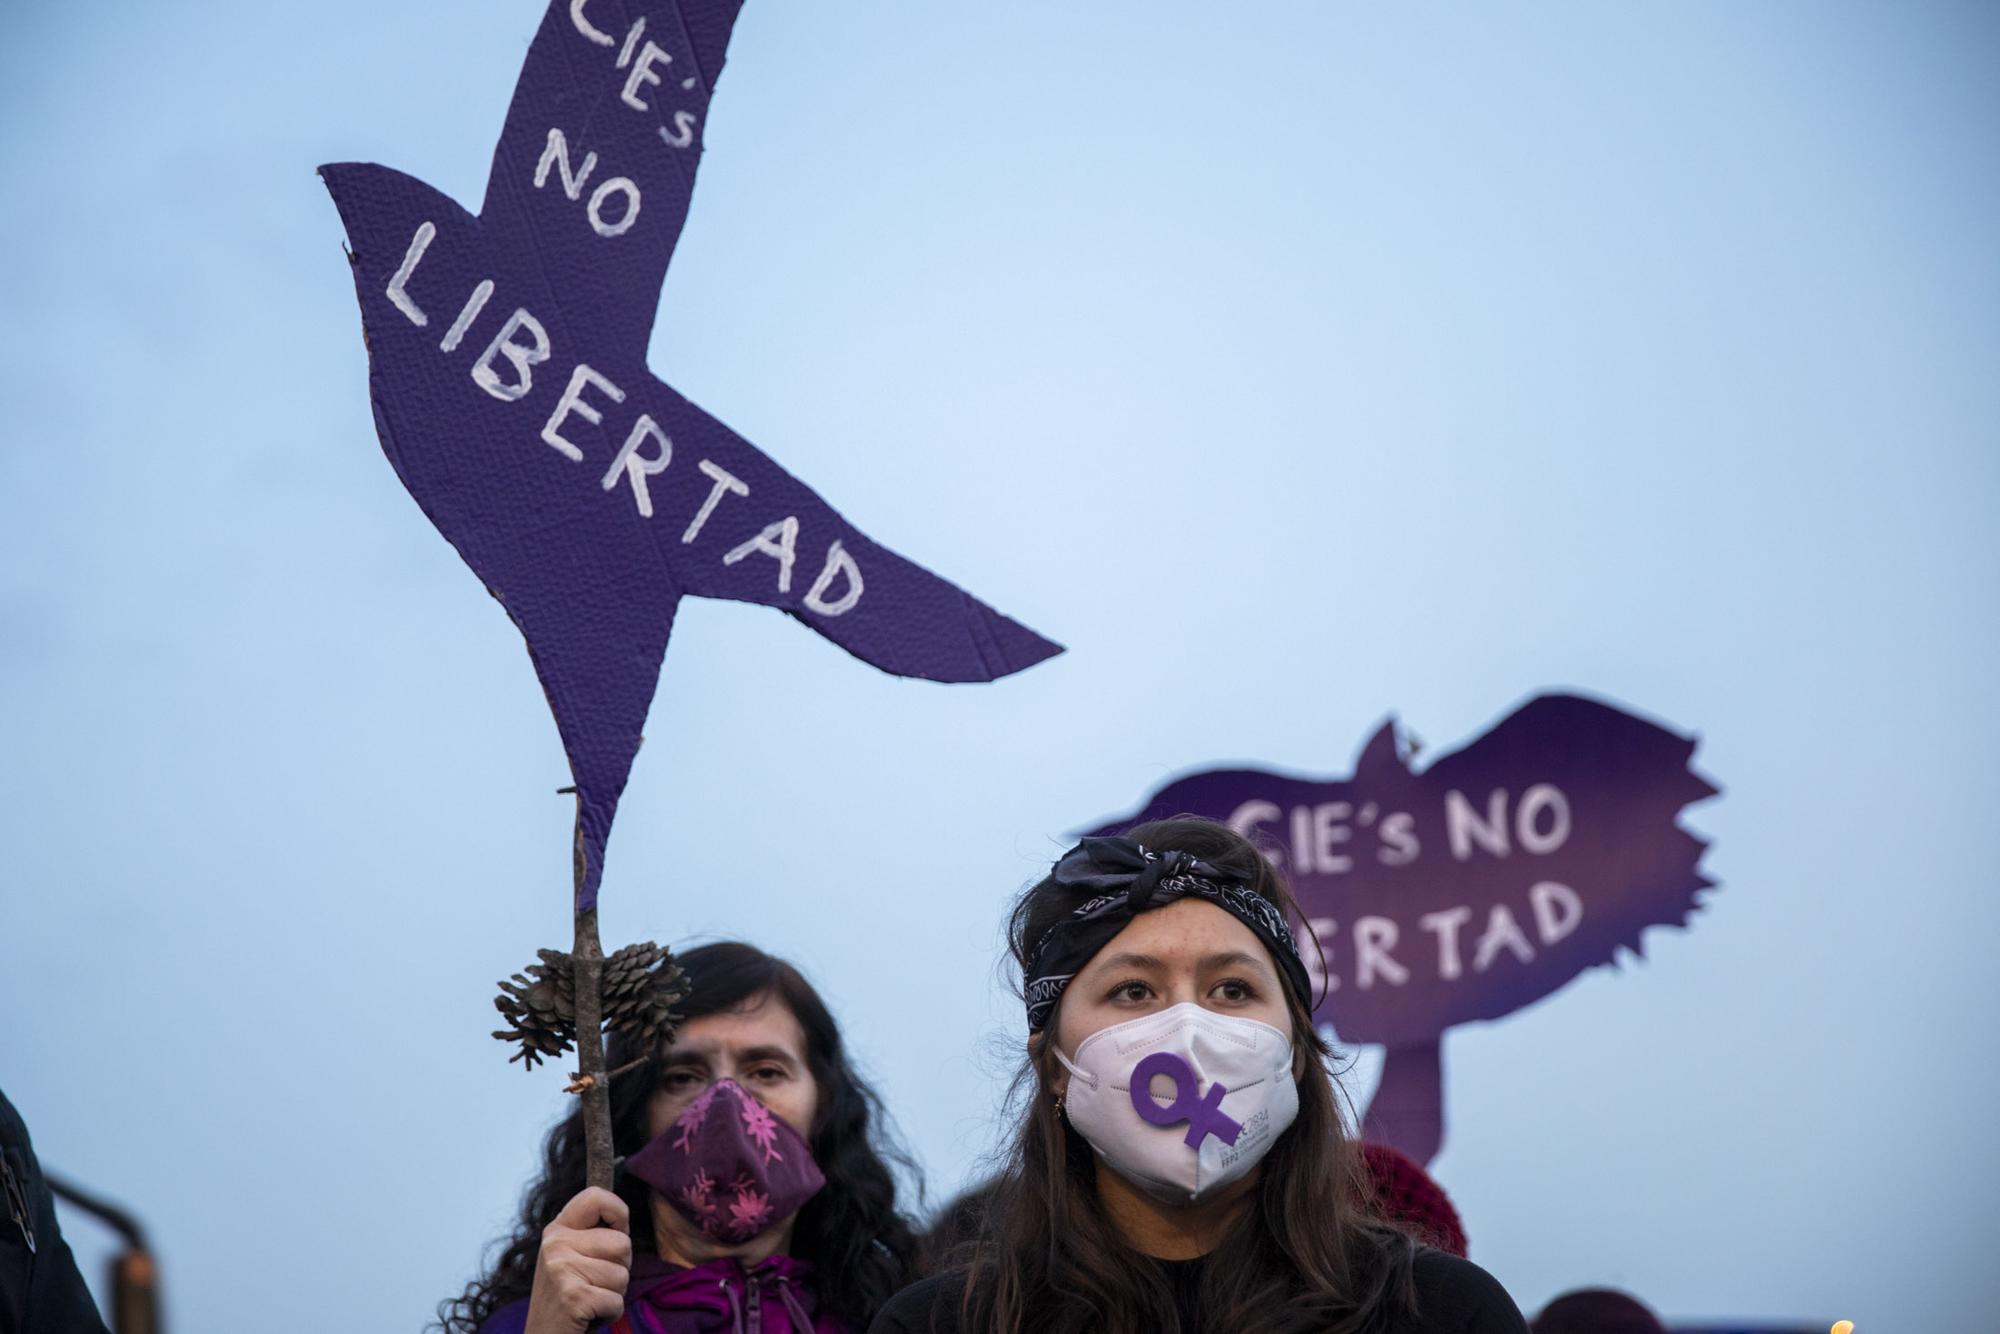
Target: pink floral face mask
{"type": "Point", "coordinates": [729, 1165]}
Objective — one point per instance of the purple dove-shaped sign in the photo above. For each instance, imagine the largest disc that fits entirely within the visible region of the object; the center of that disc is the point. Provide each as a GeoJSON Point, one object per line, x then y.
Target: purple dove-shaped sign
{"type": "Point", "coordinates": [1473, 887]}
{"type": "Point", "coordinates": [507, 365]}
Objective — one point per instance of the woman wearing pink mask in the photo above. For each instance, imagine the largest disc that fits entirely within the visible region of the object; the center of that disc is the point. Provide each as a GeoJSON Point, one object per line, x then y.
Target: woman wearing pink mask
{"type": "Point", "coordinates": [1180, 1164]}
{"type": "Point", "coordinates": [752, 1197]}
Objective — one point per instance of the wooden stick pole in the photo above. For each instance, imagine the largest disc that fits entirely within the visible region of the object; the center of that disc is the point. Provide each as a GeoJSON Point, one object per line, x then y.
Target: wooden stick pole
{"type": "Point", "coordinates": [588, 955]}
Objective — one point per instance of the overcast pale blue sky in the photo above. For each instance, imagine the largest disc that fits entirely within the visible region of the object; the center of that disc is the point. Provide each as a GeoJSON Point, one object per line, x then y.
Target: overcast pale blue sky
{"type": "Point", "coordinates": [1292, 363]}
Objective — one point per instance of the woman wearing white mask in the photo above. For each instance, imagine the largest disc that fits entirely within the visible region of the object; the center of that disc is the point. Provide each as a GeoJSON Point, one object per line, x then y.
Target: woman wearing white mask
{"type": "Point", "coordinates": [1181, 1166]}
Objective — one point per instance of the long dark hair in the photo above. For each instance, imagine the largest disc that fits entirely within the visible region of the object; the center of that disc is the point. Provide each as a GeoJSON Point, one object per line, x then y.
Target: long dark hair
{"type": "Point", "coordinates": [861, 1247]}
{"type": "Point", "coordinates": [1305, 1255]}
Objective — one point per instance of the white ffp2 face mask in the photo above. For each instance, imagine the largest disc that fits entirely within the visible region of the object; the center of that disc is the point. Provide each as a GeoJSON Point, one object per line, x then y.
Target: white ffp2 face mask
{"type": "Point", "coordinates": [1182, 1102]}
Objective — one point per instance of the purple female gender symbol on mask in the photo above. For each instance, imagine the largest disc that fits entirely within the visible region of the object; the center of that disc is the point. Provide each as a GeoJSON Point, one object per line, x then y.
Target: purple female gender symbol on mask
{"type": "Point", "coordinates": [1203, 1114]}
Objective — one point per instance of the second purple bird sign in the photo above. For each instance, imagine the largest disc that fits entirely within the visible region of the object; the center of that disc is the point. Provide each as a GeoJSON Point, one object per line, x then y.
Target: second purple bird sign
{"type": "Point", "coordinates": [507, 368]}
{"type": "Point", "coordinates": [1470, 888]}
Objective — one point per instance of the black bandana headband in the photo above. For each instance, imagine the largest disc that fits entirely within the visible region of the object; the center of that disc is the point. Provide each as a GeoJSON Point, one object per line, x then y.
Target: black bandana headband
{"type": "Point", "coordinates": [1115, 880]}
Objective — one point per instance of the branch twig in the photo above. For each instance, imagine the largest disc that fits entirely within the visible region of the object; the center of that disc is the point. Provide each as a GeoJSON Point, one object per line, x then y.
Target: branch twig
{"type": "Point", "coordinates": [588, 957]}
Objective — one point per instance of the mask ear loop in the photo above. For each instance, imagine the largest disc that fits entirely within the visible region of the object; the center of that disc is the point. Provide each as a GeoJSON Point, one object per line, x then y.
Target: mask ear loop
{"type": "Point", "coordinates": [1074, 1073]}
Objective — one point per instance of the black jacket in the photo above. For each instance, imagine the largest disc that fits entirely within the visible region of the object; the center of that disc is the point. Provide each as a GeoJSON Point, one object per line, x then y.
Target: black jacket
{"type": "Point", "coordinates": [1453, 1297]}
{"type": "Point", "coordinates": [41, 1291]}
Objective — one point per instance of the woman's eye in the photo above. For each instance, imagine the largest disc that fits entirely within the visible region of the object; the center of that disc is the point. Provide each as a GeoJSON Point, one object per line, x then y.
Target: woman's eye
{"type": "Point", "coordinates": [680, 1081]}
{"type": "Point", "coordinates": [1134, 990]}
{"type": "Point", "coordinates": [768, 1073]}
{"type": "Point", "coordinates": [1235, 989]}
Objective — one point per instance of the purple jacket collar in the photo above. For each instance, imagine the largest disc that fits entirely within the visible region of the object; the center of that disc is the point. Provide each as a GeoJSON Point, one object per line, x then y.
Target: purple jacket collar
{"type": "Point", "coordinates": [719, 1297]}
{"type": "Point", "coordinates": [775, 1297]}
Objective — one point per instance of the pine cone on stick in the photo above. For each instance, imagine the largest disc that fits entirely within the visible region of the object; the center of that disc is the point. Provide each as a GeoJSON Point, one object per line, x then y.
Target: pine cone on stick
{"type": "Point", "coordinates": [641, 984]}
{"type": "Point", "coordinates": [540, 1009]}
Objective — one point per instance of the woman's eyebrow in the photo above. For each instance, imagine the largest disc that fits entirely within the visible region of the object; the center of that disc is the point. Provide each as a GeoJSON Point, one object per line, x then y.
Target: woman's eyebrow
{"type": "Point", "coordinates": [752, 1055]}
{"type": "Point", "coordinates": [686, 1056]}
{"type": "Point", "coordinates": [1234, 959]}
{"type": "Point", "coordinates": [1127, 959]}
